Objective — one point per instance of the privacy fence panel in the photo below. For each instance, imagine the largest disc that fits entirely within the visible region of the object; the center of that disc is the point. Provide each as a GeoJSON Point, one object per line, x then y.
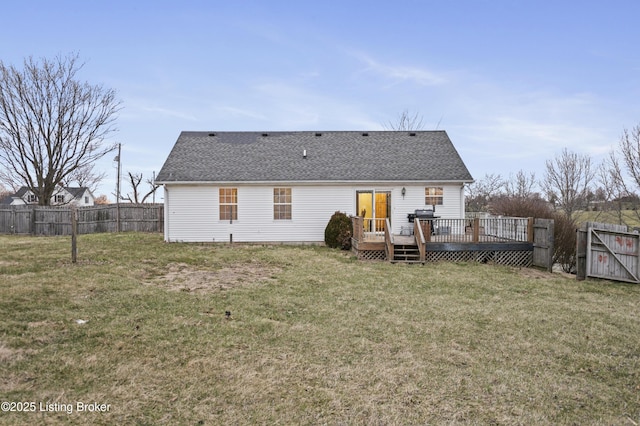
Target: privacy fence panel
{"type": "Point", "coordinates": [37, 220]}
{"type": "Point", "coordinates": [16, 220]}
{"type": "Point", "coordinates": [607, 251]}
{"type": "Point", "coordinates": [52, 221]}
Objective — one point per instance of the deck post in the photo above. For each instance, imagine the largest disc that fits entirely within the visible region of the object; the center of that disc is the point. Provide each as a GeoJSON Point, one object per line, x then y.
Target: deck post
{"type": "Point", "coordinates": [476, 229]}
{"type": "Point", "coordinates": [530, 222]}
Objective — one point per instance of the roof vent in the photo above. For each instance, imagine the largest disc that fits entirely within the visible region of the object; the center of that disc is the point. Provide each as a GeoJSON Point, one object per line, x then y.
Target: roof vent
{"type": "Point", "coordinates": [264, 135]}
{"type": "Point", "coordinates": [365, 134]}
{"type": "Point", "coordinates": [318, 134]}
{"type": "Point", "coordinates": [212, 134]}
{"type": "Point", "coordinates": [304, 154]}
{"type": "Point", "coordinates": [412, 134]}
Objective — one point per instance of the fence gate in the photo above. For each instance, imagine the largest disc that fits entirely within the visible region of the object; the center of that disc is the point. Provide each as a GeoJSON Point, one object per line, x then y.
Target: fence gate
{"type": "Point", "coordinates": [543, 243]}
{"type": "Point", "coordinates": [607, 251]}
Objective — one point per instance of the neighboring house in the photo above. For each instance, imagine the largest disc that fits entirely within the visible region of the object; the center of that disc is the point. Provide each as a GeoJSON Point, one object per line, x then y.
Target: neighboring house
{"type": "Point", "coordinates": [79, 196]}
{"type": "Point", "coordinates": [284, 186]}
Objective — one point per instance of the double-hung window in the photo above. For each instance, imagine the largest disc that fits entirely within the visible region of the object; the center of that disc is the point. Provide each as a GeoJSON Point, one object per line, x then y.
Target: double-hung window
{"type": "Point", "coordinates": [433, 196]}
{"type": "Point", "coordinates": [229, 204]}
{"type": "Point", "coordinates": [282, 203]}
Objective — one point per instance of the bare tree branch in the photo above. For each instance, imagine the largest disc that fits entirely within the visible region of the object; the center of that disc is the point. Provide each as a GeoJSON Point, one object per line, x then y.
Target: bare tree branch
{"type": "Point", "coordinates": [521, 185]}
{"type": "Point", "coordinates": [135, 179]}
{"type": "Point", "coordinates": [481, 192]}
{"type": "Point", "coordinates": [51, 124]}
{"type": "Point", "coordinates": [568, 180]}
{"type": "Point", "coordinates": [406, 122]}
{"type": "Point", "coordinates": [620, 174]}
{"type": "Point", "coordinates": [85, 177]}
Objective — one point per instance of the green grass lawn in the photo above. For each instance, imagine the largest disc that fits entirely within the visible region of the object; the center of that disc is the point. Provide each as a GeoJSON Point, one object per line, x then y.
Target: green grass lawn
{"type": "Point", "coordinates": [314, 337]}
{"type": "Point", "coordinates": [630, 218]}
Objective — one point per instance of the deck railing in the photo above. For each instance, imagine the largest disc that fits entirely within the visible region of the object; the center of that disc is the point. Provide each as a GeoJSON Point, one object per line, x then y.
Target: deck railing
{"type": "Point", "coordinates": [421, 242]}
{"type": "Point", "coordinates": [388, 239]}
{"type": "Point", "coordinates": [505, 229]}
{"type": "Point", "coordinates": [358, 228]}
{"type": "Point", "coordinates": [494, 229]}
{"type": "Point", "coordinates": [367, 229]}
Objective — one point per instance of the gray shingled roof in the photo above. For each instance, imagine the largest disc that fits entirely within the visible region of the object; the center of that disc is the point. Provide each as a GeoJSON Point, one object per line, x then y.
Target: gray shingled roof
{"type": "Point", "coordinates": [331, 156]}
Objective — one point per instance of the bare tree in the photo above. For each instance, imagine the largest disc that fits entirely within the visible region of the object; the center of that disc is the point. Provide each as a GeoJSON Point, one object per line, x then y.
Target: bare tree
{"type": "Point", "coordinates": [620, 172]}
{"type": "Point", "coordinates": [137, 196]}
{"type": "Point", "coordinates": [521, 185]}
{"type": "Point", "coordinates": [611, 190]}
{"type": "Point", "coordinates": [630, 149]}
{"type": "Point", "coordinates": [4, 192]}
{"type": "Point", "coordinates": [85, 177]}
{"type": "Point", "coordinates": [406, 121]}
{"type": "Point", "coordinates": [51, 124]}
{"type": "Point", "coordinates": [567, 181]}
{"type": "Point", "coordinates": [481, 192]}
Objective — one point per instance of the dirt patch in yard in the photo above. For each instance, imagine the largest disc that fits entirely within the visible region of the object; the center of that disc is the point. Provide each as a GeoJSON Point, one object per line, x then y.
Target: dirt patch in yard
{"type": "Point", "coordinates": [535, 273]}
{"type": "Point", "coordinates": [184, 277]}
{"type": "Point", "coordinates": [540, 274]}
{"type": "Point", "coordinates": [8, 355]}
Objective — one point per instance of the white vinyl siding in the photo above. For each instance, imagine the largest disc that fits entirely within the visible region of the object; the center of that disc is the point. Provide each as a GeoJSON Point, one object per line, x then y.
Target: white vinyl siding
{"type": "Point", "coordinates": [192, 212]}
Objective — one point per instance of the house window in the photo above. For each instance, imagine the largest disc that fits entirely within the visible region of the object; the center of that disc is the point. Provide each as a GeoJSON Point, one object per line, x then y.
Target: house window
{"type": "Point", "coordinates": [86, 200]}
{"type": "Point", "coordinates": [58, 199]}
{"type": "Point", "coordinates": [282, 203]}
{"type": "Point", "coordinates": [228, 204]}
{"type": "Point", "coordinates": [433, 196]}
{"type": "Point", "coordinates": [32, 198]}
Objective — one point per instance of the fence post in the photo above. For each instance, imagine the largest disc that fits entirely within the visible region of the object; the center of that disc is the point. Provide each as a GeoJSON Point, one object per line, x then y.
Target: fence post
{"type": "Point", "coordinates": [32, 220]}
{"type": "Point", "coordinates": [74, 234]}
{"type": "Point", "coordinates": [581, 252]}
{"type": "Point", "coordinates": [476, 229]}
{"type": "Point", "coordinates": [530, 230]}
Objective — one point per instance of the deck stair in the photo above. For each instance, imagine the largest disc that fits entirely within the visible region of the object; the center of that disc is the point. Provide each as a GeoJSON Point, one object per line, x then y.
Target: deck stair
{"type": "Point", "coordinates": [405, 250]}
{"type": "Point", "coordinates": [406, 253]}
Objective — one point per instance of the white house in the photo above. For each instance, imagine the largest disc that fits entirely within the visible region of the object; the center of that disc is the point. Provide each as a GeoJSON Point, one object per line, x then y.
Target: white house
{"type": "Point", "coordinates": [284, 186]}
{"type": "Point", "coordinates": [79, 196]}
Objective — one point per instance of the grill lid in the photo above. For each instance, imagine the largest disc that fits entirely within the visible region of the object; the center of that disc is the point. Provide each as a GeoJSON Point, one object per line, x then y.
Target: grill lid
{"type": "Point", "coordinates": [420, 213]}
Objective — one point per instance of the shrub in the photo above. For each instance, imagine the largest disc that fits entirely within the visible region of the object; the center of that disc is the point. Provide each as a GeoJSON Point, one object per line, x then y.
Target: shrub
{"type": "Point", "coordinates": [564, 244]}
{"type": "Point", "coordinates": [521, 207]}
{"type": "Point", "coordinates": [338, 232]}
{"type": "Point", "coordinates": [564, 235]}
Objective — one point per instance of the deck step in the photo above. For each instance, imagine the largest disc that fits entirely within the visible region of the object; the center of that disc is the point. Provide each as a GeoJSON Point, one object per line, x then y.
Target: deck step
{"type": "Point", "coordinates": [406, 253]}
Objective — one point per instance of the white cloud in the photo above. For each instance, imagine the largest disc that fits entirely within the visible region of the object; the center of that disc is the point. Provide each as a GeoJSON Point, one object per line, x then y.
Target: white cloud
{"type": "Point", "coordinates": [136, 109]}
{"type": "Point", "coordinates": [241, 112]}
{"type": "Point", "coordinates": [402, 73]}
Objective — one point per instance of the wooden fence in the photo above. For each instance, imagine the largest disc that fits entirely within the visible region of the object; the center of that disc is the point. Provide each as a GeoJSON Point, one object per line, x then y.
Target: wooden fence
{"type": "Point", "coordinates": [607, 251]}
{"type": "Point", "coordinates": [37, 220]}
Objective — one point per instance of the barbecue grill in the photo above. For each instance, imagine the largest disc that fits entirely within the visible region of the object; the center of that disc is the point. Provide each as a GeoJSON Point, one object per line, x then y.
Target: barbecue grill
{"type": "Point", "coordinates": [423, 214]}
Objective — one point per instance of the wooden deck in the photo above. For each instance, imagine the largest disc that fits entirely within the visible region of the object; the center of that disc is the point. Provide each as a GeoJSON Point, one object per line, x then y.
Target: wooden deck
{"type": "Point", "coordinates": [449, 239]}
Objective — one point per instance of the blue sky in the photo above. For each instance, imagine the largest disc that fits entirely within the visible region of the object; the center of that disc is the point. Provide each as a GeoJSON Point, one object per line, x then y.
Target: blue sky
{"type": "Point", "coordinates": [512, 82]}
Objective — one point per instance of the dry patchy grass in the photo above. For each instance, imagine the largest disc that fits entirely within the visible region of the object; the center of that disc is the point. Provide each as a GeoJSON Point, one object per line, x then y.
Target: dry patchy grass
{"type": "Point", "coordinates": [314, 337]}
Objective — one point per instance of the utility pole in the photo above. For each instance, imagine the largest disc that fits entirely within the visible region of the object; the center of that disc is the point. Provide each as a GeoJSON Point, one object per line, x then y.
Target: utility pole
{"type": "Point", "coordinates": [118, 159]}
{"type": "Point", "coordinates": [153, 186]}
